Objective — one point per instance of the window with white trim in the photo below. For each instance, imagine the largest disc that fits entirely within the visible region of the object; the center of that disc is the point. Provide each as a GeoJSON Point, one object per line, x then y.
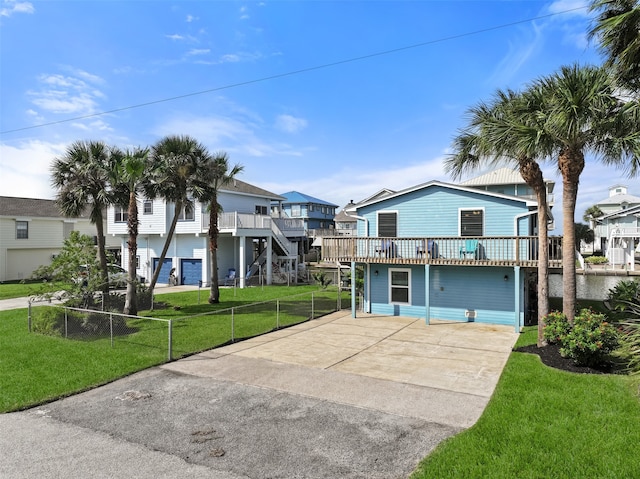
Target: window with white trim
{"type": "Point", "coordinates": [147, 207]}
{"type": "Point", "coordinates": [399, 286]}
{"type": "Point", "coordinates": [22, 229]}
{"type": "Point", "coordinates": [187, 213]}
{"type": "Point", "coordinates": [472, 222]}
{"type": "Point", "coordinates": [295, 210]}
{"type": "Point", "coordinates": [261, 210]}
{"type": "Point", "coordinates": [121, 214]}
{"type": "Point", "coordinates": [388, 224]}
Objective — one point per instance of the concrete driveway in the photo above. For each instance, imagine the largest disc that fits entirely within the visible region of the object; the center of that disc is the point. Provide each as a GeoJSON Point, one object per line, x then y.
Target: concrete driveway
{"type": "Point", "coordinates": [334, 397]}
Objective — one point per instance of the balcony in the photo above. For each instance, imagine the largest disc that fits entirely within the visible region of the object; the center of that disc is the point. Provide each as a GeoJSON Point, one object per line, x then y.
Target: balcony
{"type": "Point", "coordinates": [469, 251]}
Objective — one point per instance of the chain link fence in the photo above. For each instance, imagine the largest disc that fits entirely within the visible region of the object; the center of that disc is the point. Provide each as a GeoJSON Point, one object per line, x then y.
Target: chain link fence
{"type": "Point", "coordinates": [174, 338]}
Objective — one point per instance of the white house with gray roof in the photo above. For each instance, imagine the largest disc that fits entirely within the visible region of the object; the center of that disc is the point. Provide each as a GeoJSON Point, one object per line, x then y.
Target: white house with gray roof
{"type": "Point", "coordinates": [32, 231]}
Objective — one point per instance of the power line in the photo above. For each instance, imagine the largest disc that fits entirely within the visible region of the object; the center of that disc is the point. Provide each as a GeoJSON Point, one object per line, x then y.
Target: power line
{"type": "Point", "coordinates": [296, 72]}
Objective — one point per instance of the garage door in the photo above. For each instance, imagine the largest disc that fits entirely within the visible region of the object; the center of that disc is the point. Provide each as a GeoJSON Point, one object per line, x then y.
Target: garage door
{"type": "Point", "coordinates": [191, 271]}
{"type": "Point", "coordinates": [167, 264]}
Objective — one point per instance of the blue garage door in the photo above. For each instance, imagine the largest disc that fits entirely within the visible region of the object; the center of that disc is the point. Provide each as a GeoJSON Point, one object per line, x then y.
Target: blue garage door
{"type": "Point", "coordinates": [164, 272]}
{"type": "Point", "coordinates": [191, 271]}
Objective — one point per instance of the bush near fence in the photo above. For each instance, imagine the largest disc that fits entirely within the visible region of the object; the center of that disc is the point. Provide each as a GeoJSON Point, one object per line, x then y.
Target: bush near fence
{"type": "Point", "coordinates": [175, 338]}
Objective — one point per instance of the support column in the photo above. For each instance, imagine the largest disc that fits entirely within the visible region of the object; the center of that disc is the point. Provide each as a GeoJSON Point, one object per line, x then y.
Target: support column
{"type": "Point", "coordinates": [242, 261]}
{"type": "Point", "coordinates": [354, 304]}
{"type": "Point", "coordinates": [516, 286]}
{"type": "Point", "coordinates": [427, 299]}
{"type": "Point", "coordinates": [269, 259]}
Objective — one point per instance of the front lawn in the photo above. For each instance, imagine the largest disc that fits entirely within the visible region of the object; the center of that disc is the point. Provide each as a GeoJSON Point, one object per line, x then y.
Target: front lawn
{"type": "Point", "coordinates": [36, 368]}
{"type": "Point", "coordinates": [543, 422]}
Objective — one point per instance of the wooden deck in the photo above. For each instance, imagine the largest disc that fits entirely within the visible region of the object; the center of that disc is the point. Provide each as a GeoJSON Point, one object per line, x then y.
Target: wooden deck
{"type": "Point", "coordinates": [468, 251]}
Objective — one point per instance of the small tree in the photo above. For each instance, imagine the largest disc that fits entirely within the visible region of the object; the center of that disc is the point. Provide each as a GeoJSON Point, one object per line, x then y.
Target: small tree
{"type": "Point", "coordinates": [77, 266]}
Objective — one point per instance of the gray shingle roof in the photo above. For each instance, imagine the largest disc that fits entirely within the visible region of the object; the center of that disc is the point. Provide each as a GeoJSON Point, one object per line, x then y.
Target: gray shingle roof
{"type": "Point", "coordinates": [33, 207]}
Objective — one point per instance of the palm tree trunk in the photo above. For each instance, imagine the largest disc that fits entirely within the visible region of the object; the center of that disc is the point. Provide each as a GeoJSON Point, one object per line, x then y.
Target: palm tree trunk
{"type": "Point", "coordinates": [176, 213]}
{"type": "Point", "coordinates": [102, 256]}
{"type": "Point", "coordinates": [571, 164]}
{"type": "Point", "coordinates": [131, 301]}
{"type": "Point", "coordinates": [532, 174]}
{"type": "Point", "coordinates": [214, 288]}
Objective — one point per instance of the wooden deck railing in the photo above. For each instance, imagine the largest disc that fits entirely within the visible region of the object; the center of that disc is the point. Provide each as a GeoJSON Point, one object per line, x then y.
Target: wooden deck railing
{"type": "Point", "coordinates": [478, 251]}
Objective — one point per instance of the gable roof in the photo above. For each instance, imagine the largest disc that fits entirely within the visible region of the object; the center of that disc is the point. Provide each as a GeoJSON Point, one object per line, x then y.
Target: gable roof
{"type": "Point", "coordinates": [238, 186]}
{"type": "Point", "coordinates": [297, 197]}
{"type": "Point", "coordinates": [619, 199]}
{"type": "Point", "coordinates": [633, 210]}
{"type": "Point", "coordinates": [451, 186]}
{"type": "Point", "coordinates": [32, 207]}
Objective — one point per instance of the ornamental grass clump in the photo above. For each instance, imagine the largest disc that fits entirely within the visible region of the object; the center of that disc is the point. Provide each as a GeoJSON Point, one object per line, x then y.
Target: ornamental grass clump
{"type": "Point", "coordinates": [591, 339]}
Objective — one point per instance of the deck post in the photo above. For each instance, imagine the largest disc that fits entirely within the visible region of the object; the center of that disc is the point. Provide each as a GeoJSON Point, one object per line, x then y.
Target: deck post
{"type": "Point", "coordinates": [427, 282]}
{"type": "Point", "coordinates": [516, 286]}
{"type": "Point", "coordinates": [353, 289]}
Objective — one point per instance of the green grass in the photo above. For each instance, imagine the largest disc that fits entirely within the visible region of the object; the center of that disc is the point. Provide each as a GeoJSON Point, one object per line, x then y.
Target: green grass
{"type": "Point", "coordinates": [19, 289]}
{"type": "Point", "coordinates": [542, 423]}
{"type": "Point", "coordinates": [35, 368]}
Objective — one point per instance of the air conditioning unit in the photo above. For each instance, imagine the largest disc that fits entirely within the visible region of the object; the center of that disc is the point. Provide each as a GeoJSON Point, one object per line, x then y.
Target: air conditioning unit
{"type": "Point", "coordinates": [470, 314]}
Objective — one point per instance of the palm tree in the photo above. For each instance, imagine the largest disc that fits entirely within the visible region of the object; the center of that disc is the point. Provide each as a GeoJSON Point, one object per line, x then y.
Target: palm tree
{"type": "Point", "coordinates": [579, 112]}
{"type": "Point", "coordinates": [592, 213]}
{"type": "Point", "coordinates": [217, 175]}
{"type": "Point", "coordinates": [131, 173]}
{"type": "Point", "coordinates": [179, 162]}
{"type": "Point", "coordinates": [617, 28]}
{"type": "Point", "coordinates": [492, 137]}
{"type": "Point", "coordinates": [81, 177]}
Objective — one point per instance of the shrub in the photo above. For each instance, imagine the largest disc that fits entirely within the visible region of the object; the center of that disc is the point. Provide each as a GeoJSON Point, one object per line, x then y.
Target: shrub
{"type": "Point", "coordinates": [621, 297]}
{"type": "Point", "coordinates": [556, 327]}
{"type": "Point", "coordinates": [591, 339]}
{"type": "Point", "coordinates": [596, 260]}
{"type": "Point", "coordinates": [629, 350]}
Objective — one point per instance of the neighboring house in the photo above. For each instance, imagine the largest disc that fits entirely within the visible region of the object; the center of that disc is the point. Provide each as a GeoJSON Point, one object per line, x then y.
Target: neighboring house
{"type": "Point", "coordinates": [617, 231]}
{"type": "Point", "coordinates": [316, 214]}
{"type": "Point", "coordinates": [32, 232]}
{"type": "Point", "coordinates": [251, 241]}
{"type": "Point", "coordinates": [445, 251]}
{"type": "Point", "coordinates": [508, 181]}
{"type": "Point", "coordinates": [346, 223]}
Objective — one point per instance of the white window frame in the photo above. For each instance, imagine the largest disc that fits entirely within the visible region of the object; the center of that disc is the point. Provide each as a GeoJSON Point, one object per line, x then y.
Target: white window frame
{"type": "Point", "coordinates": [484, 219]}
{"type": "Point", "coordinates": [378, 222]}
{"type": "Point", "coordinates": [183, 213]}
{"type": "Point", "coordinates": [296, 211]}
{"type": "Point", "coordinates": [120, 214]}
{"type": "Point", "coordinates": [22, 225]}
{"type": "Point", "coordinates": [392, 286]}
{"type": "Point", "coordinates": [261, 210]}
{"type": "Point", "coordinates": [145, 204]}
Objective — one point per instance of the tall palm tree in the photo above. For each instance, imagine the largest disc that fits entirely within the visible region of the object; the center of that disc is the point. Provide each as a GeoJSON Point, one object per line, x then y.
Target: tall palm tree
{"type": "Point", "coordinates": [179, 163]}
{"type": "Point", "coordinates": [131, 172]}
{"type": "Point", "coordinates": [217, 174]}
{"type": "Point", "coordinates": [579, 113]}
{"type": "Point", "coordinates": [491, 136]}
{"type": "Point", "coordinates": [82, 178]}
{"type": "Point", "coordinates": [617, 29]}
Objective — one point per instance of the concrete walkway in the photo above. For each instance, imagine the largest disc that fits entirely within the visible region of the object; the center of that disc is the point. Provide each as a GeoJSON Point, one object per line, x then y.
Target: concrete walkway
{"type": "Point", "coordinates": [363, 397]}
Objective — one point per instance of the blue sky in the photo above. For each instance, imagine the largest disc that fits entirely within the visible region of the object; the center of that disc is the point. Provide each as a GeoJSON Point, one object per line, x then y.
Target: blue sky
{"type": "Point", "coordinates": [381, 86]}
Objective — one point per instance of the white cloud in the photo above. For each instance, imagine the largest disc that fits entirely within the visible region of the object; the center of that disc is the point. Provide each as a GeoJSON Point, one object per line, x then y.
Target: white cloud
{"type": "Point", "coordinates": [196, 51]}
{"type": "Point", "coordinates": [571, 7]}
{"type": "Point", "coordinates": [24, 169]}
{"type": "Point", "coordinates": [63, 94]}
{"type": "Point", "coordinates": [191, 18]}
{"type": "Point", "coordinates": [519, 52]}
{"type": "Point", "coordinates": [175, 36]}
{"type": "Point", "coordinates": [9, 7]}
{"type": "Point", "coordinates": [290, 124]}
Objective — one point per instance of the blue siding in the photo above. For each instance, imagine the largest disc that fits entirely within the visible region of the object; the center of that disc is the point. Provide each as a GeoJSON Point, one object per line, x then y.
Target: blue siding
{"type": "Point", "coordinates": [452, 291]}
{"type": "Point", "coordinates": [433, 211]}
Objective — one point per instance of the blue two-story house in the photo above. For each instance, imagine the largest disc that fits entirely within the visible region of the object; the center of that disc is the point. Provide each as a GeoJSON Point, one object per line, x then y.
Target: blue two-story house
{"type": "Point", "coordinates": [444, 251]}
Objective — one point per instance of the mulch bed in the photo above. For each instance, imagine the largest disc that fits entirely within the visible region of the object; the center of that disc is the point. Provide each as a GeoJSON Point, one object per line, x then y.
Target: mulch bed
{"type": "Point", "coordinates": [550, 356]}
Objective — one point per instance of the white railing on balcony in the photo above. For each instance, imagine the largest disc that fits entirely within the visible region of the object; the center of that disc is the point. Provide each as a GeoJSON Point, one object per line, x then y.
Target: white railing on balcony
{"type": "Point", "coordinates": [236, 221]}
{"type": "Point", "coordinates": [290, 226]}
{"type": "Point", "coordinates": [481, 251]}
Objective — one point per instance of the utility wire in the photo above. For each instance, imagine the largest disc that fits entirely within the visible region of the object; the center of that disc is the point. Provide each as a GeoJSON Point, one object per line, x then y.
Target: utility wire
{"type": "Point", "coordinates": [296, 72]}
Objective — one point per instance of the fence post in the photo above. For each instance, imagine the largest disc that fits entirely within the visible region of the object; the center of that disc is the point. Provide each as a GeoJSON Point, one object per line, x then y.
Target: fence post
{"type": "Point", "coordinates": [170, 340]}
{"type": "Point", "coordinates": [29, 315]}
{"type": "Point", "coordinates": [339, 305]}
{"type": "Point", "coordinates": [277, 314]}
{"type": "Point", "coordinates": [312, 308]}
{"type": "Point", "coordinates": [232, 324]}
{"type": "Point", "coordinates": [110, 325]}
{"type": "Point", "coordinates": [65, 322]}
